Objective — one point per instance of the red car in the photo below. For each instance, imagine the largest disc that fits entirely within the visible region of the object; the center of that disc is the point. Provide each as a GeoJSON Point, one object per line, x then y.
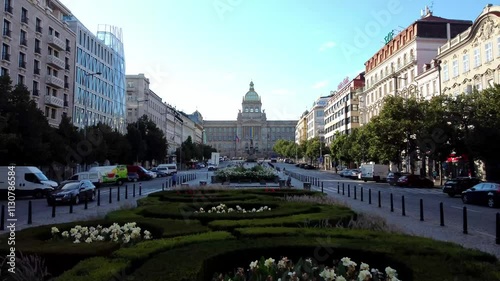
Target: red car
{"type": "Point", "coordinates": [414, 181]}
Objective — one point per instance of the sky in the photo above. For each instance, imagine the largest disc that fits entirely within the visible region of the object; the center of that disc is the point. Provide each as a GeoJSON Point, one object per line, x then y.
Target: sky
{"type": "Point", "coordinates": [202, 54]}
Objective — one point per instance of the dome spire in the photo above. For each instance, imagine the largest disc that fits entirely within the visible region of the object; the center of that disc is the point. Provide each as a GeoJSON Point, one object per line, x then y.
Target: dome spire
{"type": "Point", "coordinates": [251, 85]}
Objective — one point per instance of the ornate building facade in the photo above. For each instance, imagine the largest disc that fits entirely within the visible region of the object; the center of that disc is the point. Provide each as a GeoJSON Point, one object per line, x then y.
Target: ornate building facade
{"type": "Point", "coordinates": [251, 135]}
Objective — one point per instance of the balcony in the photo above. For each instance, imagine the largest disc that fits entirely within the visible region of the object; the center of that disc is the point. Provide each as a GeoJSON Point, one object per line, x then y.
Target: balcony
{"type": "Point", "coordinates": [54, 101]}
{"type": "Point", "coordinates": [6, 57]}
{"type": "Point", "coordinates": [8, 9]}
{"type": "Point", "coordinates": [36, 93]}
{"type": "Point", "coordinates": [39, 29]}
{"type": "Point", "coordinates": [36, 71]}
{"type": "Point", "coordinates": [23, 42]}
{"type": "Point", "coordinates": [7, 33]}
{"type": "Point", "coordinates": [57, 42]}
{"type": "Point", "coordinates": [54, 81]}
{"type": "Point", "coordinates": [55, 61]}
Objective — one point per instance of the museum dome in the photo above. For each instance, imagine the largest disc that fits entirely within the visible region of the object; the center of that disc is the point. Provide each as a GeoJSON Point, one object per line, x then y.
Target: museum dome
{"type": "Point", "coordinates": [251, 95]}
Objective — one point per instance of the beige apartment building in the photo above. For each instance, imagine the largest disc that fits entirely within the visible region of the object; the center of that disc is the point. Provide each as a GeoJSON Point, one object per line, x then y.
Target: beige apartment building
{"type": "Point", "coordinates": [472, 59]}
{"type": "Point", "coordinates": [342, 108]}
{"type": "Point", "coordinates": [251, 135]}
{"type": "Point", "coordinates": [38, 51]}
{"type": "Point", "coordinates": [392, 70]}
{"type": "Point", "coordinates": [301, 128]}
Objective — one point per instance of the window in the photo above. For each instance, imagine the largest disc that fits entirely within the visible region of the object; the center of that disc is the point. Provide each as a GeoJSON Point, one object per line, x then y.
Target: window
{"type": "Point", "coordinates": [455, 68]}
{"type": "Point", "coordinates": [479, 86]}
{"type": "Point", "coordinates": [53, 113]}
{"type": "Point", "coordinates": [38, 50]}
{"type": "Point", "coordinates": [498, 47]}
{"type": "Point", "coordinates": [465, 60]}
{"type": "Point", "coordinates": [23, 38]}
{"type": "Point", "coordinates": [24, 15]}
{"type": "Point", "coordinates": [355, 119]}
{"type": "Point", "coordinates": [434, 86]}
{"type": "Point", "coordinates": [488, 51]}
{"type": "Point", "coordinates": [354, 107]}
{"type": "Point", "coordinates": [47, 110]}
{"type": "Point", "coordinates": [51, 31]}
{"type": "Point", "coordinates": [4, 71]}
{"type": "Point", "coordinates": [8, 6]}
{"type": "Point", "coordinates": [38, 25]}
{"type": "Point", "coordinates": [445, 73]}
{"type": "Point", "coordinates": [35, 88]}
{"type": "Point", "coordinates": [477, 57]}
{"type": "Point", "coordinates": [491, 84]}
{"type": "Point", "coordinates": [427, 89]}
{"type": "Point", "coordinates": [30, 177]}
{"type": "Point", "coordinates": [36, 67]}
{"type": "Point", "coordinates": [20, 79]}
{"type": "Point", "coordinates": [6, 28]}
{"type": "Point", "coordinates": [22, 60]}
{"type": "Point", "coordinates": [5, 52]}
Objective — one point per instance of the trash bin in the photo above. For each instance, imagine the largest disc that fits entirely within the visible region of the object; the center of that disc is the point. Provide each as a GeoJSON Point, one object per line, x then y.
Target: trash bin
{"type": "Point", "coordinates": [307, 185]}
{"type": "Point", "coordinates": [282, 183]}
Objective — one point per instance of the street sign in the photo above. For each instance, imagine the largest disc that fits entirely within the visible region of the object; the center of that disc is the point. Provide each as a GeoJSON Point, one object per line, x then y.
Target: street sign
{"type": "Point", "coordinates": [320, 159]}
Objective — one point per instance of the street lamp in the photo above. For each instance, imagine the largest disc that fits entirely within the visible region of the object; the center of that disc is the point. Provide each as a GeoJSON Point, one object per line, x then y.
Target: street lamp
{"type": "Point", "coordinates": [87, 94]}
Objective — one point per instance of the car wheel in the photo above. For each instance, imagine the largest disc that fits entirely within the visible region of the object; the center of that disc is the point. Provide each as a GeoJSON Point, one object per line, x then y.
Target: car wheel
{"type": "Point", "coordinates": [76, 201]}
{"type": "Point", "coordinates": [491, 202]}
{"type": "Point", "coordinates": [465, 199]}
{"type": "Point", "coordinates": [451, 194]}
{"type": "Point", "coordinates": [38, 194]}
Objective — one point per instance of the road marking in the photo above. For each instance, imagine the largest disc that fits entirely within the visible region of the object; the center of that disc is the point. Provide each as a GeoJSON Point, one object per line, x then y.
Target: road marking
{"type": "Point", "coordinates": [461, 208]}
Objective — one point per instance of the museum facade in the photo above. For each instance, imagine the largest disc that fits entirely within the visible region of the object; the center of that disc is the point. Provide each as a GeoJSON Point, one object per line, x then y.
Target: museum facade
{"type": "Point", "coordinates": [251, 135]}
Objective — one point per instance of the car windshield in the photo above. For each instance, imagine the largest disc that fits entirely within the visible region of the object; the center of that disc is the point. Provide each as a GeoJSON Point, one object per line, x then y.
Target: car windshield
{"type": "Point", "coordinates": [69, 186]}
{"type": "Point", "coordinates": [142, 169]}
{"type": "Point", "coordinates": [41, 177]}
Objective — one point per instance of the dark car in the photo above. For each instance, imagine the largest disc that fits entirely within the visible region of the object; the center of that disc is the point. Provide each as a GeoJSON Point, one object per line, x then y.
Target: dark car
{"type": "Point", "coordinates": [392, 177]}
{"type": "Point", "coordinates": [483, 193]}
{"type": "Point", "coordinates": [143, 173]}
{"type": "Point", "coordinates": [345, 172]}
{"type": "Point", "coordinates": [133, 177]}
{"type": "Point", "coordinates": [414, 181]}
{"type": "Point", "coordinates": [72, 191]}
{"type": "Point", "coordinates": [455, 186]}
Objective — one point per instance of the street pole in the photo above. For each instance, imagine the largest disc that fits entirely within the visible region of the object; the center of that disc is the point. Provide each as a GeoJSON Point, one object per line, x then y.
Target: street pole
{"type": "Point", "coordinates": [85, 116]}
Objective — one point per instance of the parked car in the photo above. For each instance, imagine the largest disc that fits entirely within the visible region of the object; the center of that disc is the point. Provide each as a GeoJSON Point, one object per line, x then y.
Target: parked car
{"type": "Point", "coordinates": [133, 177]}
{"type": "Point", "coordinates": [143, 173]}
{"type": "Point", "coordinates": [352, 174]}
{"type": "Point", "coordinates": [483, 193]}
{"type": "Point", "coordinates": [345, 172]}
{"type": "Point", "coordinates": [93, 177]}
{"type": "Point", "coordinates": [457, 185]}
{"type": "Point", "coordinates": [72, 191]}
{"type": "Point", "coordinates": [392, 177]}
{"type": "Point", "coordinates": [212, 167]}
{"type": "Point", "coordinates": [414, 181]}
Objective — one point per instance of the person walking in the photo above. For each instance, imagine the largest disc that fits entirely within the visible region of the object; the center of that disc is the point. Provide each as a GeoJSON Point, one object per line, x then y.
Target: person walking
{"type": "Point", "coordinates": [174, 179]}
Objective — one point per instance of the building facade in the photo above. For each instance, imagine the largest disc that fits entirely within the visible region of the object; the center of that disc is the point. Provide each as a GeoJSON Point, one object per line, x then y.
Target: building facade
{"type": "Point", "coordinates": [38, 50]}
{"type": "Point", "coordinates": [392, 70]}
{"type": "Point", "coordinates": [428, 80]}
{"type": "Point", "coordinates": [99, 90]}
{"type": "Point", "coordinates": [316, 118]}
{"type": "Point", "coordinates": [342, 109]}
{"type": "Point", "coordinates": [472, 59]}
{"type": "Point", "coordinates": [251, 135]}
{"type": "Point", "coordinates": [301, 128]}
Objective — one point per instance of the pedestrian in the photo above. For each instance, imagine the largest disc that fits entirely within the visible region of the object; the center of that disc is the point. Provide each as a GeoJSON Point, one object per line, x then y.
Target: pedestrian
{"type": "Point", "coordinates": [289, 182]}
{"type": "Point", "coordinates": [174, 179]}
{"type": "Point", "coordinates": [434, 174]}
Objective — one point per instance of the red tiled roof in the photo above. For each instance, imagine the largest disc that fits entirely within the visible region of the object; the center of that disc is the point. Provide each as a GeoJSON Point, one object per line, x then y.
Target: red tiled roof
{"type": "Point", "coordinates": [432, 18]}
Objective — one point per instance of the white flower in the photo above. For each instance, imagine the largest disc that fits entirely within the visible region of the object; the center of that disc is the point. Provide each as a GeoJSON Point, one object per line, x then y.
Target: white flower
{"type": "Point", "coordinates": [100, 238]}
{"type": "Point", "coordinates": [340, 278]}
{"type": "Point", "coordinates": [364, 266]}
{"type": "Point", "coordinates": [394, 278]}
{"type": "Point", "coordinates": [363, 274]}
{"type": "Point", "coordinates": [282, 264]}
{"type": "Point", "coordinates": [328, 274]}
{"type": "Point", "coordinates": [88, 240]}
{"type": "Point", "coordinates": [269, 262]}
{"type": "Point", "coordinates": [65, 234]}
{"type": "Point", "coordinates": [309, 261]}
{"type": "Point", "coordinates": [54, 230]}
{"type": "Point", "coordinates": [76, 241]}
{"type": "Point", "coordinates": [78, 235]}
{"type": "Point", "coordinates": [346, 261]}
{"type": "Point", "coordinates": [390, 272]}
{"type": "Point", "coordinates": [254, 265]}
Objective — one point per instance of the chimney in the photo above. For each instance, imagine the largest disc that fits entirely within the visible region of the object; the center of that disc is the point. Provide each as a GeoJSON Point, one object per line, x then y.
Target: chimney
{"type": "Point", "coordinates": [448, 31]}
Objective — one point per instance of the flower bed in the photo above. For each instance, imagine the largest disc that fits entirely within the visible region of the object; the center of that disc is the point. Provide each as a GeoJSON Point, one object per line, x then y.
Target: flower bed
{"type": "Point", "coordinates": [307, 270]}
{"type": "Point", "coordinates": [128, 233]}
{"type": "Point", "coordinates": [257, 173]}
{"type": "Point", "coordinates": [222, 209]}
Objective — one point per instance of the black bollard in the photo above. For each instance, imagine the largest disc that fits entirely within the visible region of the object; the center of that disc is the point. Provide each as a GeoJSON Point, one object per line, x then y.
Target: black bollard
{"type": "Point", "coordinates": [118, 194]}
{"type": "Point", "coordinates": [355, 193]}
{"type": "Point", "coordinates": [498, 229]}
{"type": "Point", "coordinates": [338, 188]}
{"type": "Point", "coordinates": [392, 203]}
{"type": "Point", "coordinates": [361, 194]}
{"type": "Point", "coordinates": [379, 200]}
{"type": "Point", "coordinates": [71, 204]}
{"type": "Point", "coordinates": [30, 212]}
{"type": "Point", "coordinates": [126, 192]}
{"type": "Point", "coordinates": [369, 196]}
{"type": "Point", "coordinates": [98, 197]}
{"type": "Point", "coordinates": [140, 189]}
{"type": "Point", "coordinates": [348, 191]}
{"type": "Point", "coordinates": [2, 218]}
{"type": "Point", "coordinates": [110, 199]}
{"type": "Point", "coordinates": [53, 212]}
{"type": "Point", "coordinates": [133, 190]}
{"type": "Point", "coordinates": [322, 187]}
{"type": "Point", "coordinates": [421, 209]}
{"type": "Point", "coordinates": [86, 203]}
{"type": "Point", "coordinates": [465, 220]}
{"type": "Point", "coordinates": [343, 190]}
{"type": "Point", "coordinates": [441, 214]}
{"type": "Point", "coordinates": [403, 205]}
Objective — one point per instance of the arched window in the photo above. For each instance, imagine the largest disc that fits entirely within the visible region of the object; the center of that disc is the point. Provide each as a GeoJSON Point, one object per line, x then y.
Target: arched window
{"type": "Point", "coordinates": [246, 109]}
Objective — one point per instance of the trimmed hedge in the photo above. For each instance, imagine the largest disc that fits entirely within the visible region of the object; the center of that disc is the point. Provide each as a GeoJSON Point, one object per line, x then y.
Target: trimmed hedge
{"type": "Point", "coordinates": [97, 269]}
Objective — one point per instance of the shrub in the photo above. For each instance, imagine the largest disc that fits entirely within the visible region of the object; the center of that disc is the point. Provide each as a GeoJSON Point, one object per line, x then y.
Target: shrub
{"type": "Point", "coordinates": [97, 269]}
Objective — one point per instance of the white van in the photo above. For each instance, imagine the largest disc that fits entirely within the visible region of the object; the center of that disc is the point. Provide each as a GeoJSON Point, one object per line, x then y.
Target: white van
{"type": "Point", "coordinates": [374, 172]}
{"type": "Point", "coordinates": [30, 181]}
{"type": "Point", "coordinates": [170, 168]}
{"type": "Point", "coordinates": [94, 177]}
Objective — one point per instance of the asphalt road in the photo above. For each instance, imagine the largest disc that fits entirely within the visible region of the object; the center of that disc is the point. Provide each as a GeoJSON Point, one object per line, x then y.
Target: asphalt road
{"type": "Point", "coordinates": [480, 219]}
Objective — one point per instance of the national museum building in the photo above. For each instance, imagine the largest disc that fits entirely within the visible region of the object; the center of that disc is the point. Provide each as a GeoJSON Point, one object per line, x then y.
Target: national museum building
{"type": "Point", "coordinates": [251, 135]}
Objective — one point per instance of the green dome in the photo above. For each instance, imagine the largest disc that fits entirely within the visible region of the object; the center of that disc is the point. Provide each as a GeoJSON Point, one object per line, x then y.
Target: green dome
{"type": "Point", "coordinates": [251, 95]}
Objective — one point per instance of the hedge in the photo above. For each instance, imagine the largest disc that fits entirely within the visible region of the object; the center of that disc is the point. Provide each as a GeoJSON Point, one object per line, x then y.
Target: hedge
{"type": "Point", "coordinates": [97, 269]}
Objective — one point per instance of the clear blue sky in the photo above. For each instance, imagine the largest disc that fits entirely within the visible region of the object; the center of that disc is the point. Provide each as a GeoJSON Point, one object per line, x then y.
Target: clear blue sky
{"type": "Point", "coordinates": [202, 54]}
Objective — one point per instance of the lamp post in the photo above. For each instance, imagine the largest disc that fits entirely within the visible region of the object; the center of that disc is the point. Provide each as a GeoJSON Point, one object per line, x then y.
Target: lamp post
{"type": "Point", "coordinates": [87, 94]}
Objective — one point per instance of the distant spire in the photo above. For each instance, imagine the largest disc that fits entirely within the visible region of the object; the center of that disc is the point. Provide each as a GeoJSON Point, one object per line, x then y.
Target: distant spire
{"type": "Point", "coordinates": [251, 85]}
